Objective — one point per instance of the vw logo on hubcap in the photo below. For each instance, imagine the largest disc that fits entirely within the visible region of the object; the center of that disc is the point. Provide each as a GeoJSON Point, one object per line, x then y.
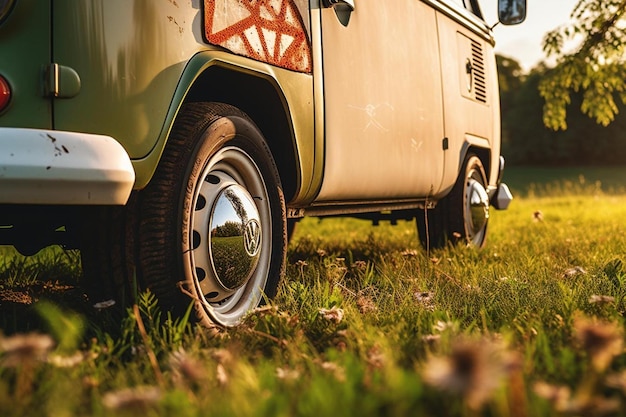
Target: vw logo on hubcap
{"type": "Point", "coordinates": [252, 237]}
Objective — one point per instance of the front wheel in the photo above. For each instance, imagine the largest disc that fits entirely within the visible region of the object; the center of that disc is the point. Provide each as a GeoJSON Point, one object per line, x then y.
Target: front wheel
{"type": "Point", "coordinates": [461, 216]}
{"type": "Point", "coordinates": [215, 217]}
{"type": "Point", "coordinates": [210, 228]}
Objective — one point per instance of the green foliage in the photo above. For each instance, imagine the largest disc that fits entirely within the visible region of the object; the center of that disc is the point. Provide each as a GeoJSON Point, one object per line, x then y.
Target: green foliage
{"type": "Point", "coordinates": [526, 140]}
{"type": "Point", "coordinates": [595, 68]}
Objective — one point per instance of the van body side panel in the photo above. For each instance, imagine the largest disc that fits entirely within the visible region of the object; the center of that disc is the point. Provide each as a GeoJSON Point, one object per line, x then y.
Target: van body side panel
{"type": "Point", "coordinates": [137, 59]}
{"type": "Point", "coordinates": [471, 98]}
{"type": "Point", "coordinates": [129, 55]}
{"type": "Point", "coordinates": [383, 105]}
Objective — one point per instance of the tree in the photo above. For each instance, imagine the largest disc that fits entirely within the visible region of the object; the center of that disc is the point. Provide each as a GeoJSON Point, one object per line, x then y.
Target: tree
{"type": "Point", "coordinates": [527, 141]}
{"type": "Point", "coordinates": [595, 68]}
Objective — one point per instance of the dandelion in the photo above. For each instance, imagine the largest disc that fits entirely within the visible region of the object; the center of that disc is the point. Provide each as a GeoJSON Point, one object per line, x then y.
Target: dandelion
{"type": "Point", "coordinates": [221, 375]}
{"type": "Point", "coordinates": [25, 348]}
{"type": "Point", "coordinates": [360, 265]}
{"type": "Point", "coordinates": [431, 339]}
{"type": "Point", "coordinates": [67, 361]}
{"type": "Point", "coordinates": [23, 351]}
{"type": "Point", "coordinates": [186, 369]}
{"type": "Point", "coordinates": [376, 358]}
{"type": "Point", "coordinates": [425, 299]}
{"type": "Point", "coordinates": [365, 305]}
{"type": "Point", "coordinates": [575, 271]}
{"type": "Point", "coordinates": [103, 305]}
{"type": "Point", "coordinates": [557, 395]}
{"type": "Point", "coordinates": [335, 370]}
{"type": "Point", "coordinates": [222, 356]}
{"type": "Point", "coordinates": [601, 341]}
{"type": "Point", "coordinates": [287, 374]}
{"type": "Point", "coordinates": [563, 401]}
{"type": "Point", "coordinates": [334, 314]}
{"type": "Point", "coordinates": [601, 299]}
{"type": "Point", "coordinates": [442, 326]}
{"type": "Point", "coordinates": [137, 399]}
{"type": "Point", "coordinates": [473, 370]}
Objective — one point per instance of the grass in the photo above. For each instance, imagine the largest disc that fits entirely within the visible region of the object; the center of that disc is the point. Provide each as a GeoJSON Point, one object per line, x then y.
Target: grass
{"type": "Point", "coordinates": [365, 323]}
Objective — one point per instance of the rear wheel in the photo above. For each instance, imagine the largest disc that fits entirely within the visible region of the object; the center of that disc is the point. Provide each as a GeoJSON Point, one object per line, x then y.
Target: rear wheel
{"type": "Point", "coordinates": [461, 216]}
{"type": "Point", "coordinates": [211, 225]}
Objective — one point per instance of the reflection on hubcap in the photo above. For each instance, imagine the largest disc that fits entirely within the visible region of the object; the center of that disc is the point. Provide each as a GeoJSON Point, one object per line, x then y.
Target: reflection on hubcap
{"type": "Point", "coordinates": [252, 237]}
{"type": "Point", "coordinates": [478, 201]}
{"type": "Point", "coordinates": [235, 237]}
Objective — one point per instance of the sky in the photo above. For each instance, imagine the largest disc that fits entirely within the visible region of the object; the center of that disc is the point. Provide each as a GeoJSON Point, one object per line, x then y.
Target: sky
{"type": "Point", "coordinates": [523, 42]}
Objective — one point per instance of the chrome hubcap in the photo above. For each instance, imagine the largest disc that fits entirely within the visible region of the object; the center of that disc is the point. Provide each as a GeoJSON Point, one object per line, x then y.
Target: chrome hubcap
{"type": "Point", "coordinates": [230, 245]}
{"type": "Point", "coordinates": [234, 235]}
{"type": "Point", "coordinates": [478, 206]}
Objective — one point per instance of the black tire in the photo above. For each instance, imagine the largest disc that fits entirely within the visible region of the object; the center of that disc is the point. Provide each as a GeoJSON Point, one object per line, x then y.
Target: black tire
{"type": "Point", "coordinates": [211, 225]}
{"type": "Point", "coordinates": [462, 216]}
{"type": "Point", "coordinates": [292, 224]}
{"type": "Point", "coordinates": [107, 236]}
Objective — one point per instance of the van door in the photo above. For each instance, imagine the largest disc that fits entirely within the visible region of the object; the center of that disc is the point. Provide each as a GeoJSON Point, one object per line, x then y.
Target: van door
{"type": "Point", "coordinates": [383, 102]}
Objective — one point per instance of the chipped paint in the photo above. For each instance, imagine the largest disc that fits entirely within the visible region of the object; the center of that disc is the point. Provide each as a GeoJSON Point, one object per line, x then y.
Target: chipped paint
{"type": "Point", "coordinates": [58, 151]}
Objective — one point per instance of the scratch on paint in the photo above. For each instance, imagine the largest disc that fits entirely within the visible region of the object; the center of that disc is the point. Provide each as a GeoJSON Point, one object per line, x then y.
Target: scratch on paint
{"type": "Point", "coordinates": [371, 110]}
{"type": "Point", "coordinates": [415, 145]}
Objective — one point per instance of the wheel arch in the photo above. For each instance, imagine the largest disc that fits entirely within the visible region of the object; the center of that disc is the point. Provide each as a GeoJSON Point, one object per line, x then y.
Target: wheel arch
{"type": "Point", "coordinates": [266, 107]}
{"type": "Point", "coordinates": [484, 154]}
{"type": "Point", "coordinates": [206, 79]}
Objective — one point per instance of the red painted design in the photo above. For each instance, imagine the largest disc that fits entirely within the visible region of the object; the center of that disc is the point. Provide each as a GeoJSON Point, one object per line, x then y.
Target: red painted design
{"type": "Point", "coordinates": [266, 30]}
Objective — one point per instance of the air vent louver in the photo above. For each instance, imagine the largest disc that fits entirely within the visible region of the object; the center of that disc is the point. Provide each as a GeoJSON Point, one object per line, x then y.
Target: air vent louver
{"type": "Point", "coordinates": [478, 68]}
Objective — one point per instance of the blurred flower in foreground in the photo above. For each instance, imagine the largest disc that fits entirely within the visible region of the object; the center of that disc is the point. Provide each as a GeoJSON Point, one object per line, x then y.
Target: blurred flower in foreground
{"type": "Point", "coordinates": [287, 374]}
{"type": "Point", "coordinates": [601, 340]}
{"type": "Point", "coordinates": [103, 305]}
{"type": "Point", "coordinates": [366, 305]}
{"type": "Point", "coordinates": [581, 403]}
{"type": "Point", "coordinates": [132, 399]}
{"type": "Point", "coordinates": [601, 299]}
{"type": "Point", "coordinates": [473, 369]}
{"type": "Point", "coordinates": [186, 370]}
{"type": "Point", "coordinates": [22, 348]}
{"type": "Point", "coordinates": [334, 314]}
{"type": "Point", "coordinates": [574, 271]}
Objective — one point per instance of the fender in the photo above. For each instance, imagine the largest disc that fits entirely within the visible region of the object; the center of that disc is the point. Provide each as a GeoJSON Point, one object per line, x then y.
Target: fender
{"type": "Point", "coordinates": [297, 163]}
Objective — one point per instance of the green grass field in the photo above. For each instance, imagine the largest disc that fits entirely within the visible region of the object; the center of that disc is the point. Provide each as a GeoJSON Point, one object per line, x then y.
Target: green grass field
{"type": "Point", "coordinates": [366, 323]}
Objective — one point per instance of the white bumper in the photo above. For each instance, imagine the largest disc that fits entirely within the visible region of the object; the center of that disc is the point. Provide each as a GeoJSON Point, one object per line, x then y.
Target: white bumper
{"type": "Point", "coordinates": [53, 167]}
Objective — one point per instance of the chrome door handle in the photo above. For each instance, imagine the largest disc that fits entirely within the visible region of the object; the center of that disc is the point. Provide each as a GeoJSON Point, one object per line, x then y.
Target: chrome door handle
{"type": "Point", "coordinates": [347, 5]}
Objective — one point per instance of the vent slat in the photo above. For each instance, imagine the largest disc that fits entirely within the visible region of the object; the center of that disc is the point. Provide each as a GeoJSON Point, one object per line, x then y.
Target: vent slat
{"type": "Point", "coordinates": [478, 66]}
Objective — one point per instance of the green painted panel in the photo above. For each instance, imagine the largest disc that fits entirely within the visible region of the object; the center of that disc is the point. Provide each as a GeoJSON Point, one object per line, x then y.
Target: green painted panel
{"type": "Point", "coordinates": [129, 55]}
{"type": "Point", "coordinates": [24, 52]}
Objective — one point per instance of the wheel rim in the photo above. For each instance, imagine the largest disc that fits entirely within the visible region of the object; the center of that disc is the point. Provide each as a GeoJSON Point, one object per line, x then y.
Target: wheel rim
{"type": "Point", "coordinates": [476, 207]}
{"type": "Point", "coordinates": [230, 236]}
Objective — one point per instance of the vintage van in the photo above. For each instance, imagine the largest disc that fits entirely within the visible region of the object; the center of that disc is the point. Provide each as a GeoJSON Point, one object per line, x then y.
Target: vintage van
{"type": "Point", "coordinates": [177, 142]}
